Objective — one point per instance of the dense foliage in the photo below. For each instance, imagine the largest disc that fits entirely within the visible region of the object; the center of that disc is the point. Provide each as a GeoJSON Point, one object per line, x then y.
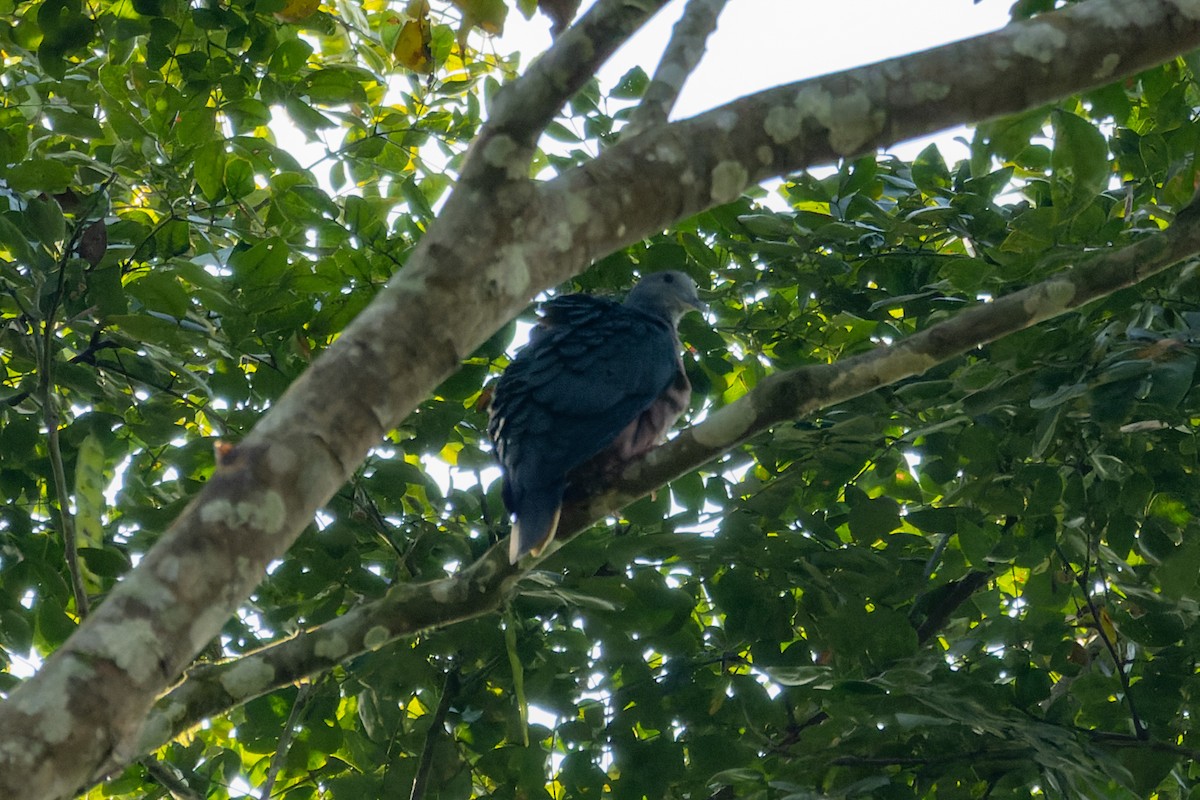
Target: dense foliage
{"type": "Point", "coordinates": [978, 583]}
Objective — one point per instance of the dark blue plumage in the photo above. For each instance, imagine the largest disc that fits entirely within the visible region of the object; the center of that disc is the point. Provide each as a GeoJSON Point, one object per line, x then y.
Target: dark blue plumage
{"type": "Point", "coordinates": [598, 379]}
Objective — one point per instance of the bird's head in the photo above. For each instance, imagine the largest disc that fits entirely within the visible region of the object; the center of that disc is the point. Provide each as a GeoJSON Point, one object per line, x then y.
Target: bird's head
{"type": "Point", "coordinates": [669, 294]}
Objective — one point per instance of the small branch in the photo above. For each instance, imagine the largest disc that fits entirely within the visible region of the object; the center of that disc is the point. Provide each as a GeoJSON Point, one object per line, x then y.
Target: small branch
{"type": "Point", "coordinates": [1011, 754]}
{"type": "Point", "coordinates": [483, 586]}
{"type": "Point", "coordinates": [1124, 740]}
{"type": "Point", "coordinates": [66, 518]}
{"type": "Point", "coordinates": [170, 779]}
{"type": "Point", "coordinates": [436, 729]}
{"type": "Point", "coordinates": [679, 60]}
{"type": "Point", "coordinates": [46, 354]}
{"type": "Point", "coordinates": [222, 424]}
{"type": "Point", "coordinates": [285, 740]}
{"type": "Point", "coordinates": [406, 609]}
{"type": "Point", "coordinates": [1139, 727]}
{"type": "Point", "coordinates": [795, 729]}
{"type": "Point", "coordinates": [526, 106]}
{"type": "Point", "coordinates": [951, 596]}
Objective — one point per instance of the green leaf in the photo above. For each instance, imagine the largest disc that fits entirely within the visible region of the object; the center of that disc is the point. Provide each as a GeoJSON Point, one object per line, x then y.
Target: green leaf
{"type": "Point", "coordinates": [45, 220]}
{"type": "Point", "coordinates": [632, 84]}
{"type": "Point", "coordinates": [518, 676]}
{"type": "Point", "coordinates": [173, 238]}
{"type": "Point", "coordinates": [161, 291]}
{"type": "Point", "coordinates": [89, 492]}
{"type": "Point", "coordinates": [40, 175]}
{"type": "Point", "coordinates": [238, 177]}
{"type": "Point", "coordinates": [334, 87]}
{"type": "Point", "coordinates": [105, 293]}
{"type": "Point", "coordinates": [1080, 164]}
{"type": "Point", "coordinates": [930, 173]}
{"type": "Point", "coordinates": [197, 126]}
{"type": "Point", "coordinates": [209, 170]}
{"type": "Point", "coordinates": [17, 244]}
{"type": "Point", "coordinates": [872, 518]}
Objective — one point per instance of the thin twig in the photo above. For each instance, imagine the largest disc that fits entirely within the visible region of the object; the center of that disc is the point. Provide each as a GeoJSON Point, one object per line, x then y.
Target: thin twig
{"type": "Point", "coordinates": [285, 740]}
{"type": "Point", "coordinates": [436, 729]}
{"type": "Point", "coordinates": [1010, 754]}
{"type": "Point", "coordinates": [952, 595]}
{"type": "Point", "coordinates": [222, 424]}
{"type": "Point", "coordinates": [66, 518]}
{"type": "Point", "coordinates": [46, 355]}
{"type": "Point", "coordinates": [170, 779]}
{"type": "Point", "coordinates": [1139, 728]}
{"type": "Point", "coordinates": [679, 60]}
{"type": "Point", "coordinates": [1125, 740]}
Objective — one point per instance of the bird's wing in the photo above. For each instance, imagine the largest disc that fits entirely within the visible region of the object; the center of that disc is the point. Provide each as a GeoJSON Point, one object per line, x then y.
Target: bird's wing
{"type": "Point", "coordinates": [568, 394]}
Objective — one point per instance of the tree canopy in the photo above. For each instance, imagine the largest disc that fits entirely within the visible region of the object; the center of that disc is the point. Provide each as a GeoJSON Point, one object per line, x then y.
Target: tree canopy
{"type": "Point", "coordinates": [932, 527]}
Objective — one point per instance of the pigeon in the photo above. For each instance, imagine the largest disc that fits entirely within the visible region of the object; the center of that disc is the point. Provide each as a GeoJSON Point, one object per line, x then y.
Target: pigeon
{"type": "Point", "coordinates": [598, 385]}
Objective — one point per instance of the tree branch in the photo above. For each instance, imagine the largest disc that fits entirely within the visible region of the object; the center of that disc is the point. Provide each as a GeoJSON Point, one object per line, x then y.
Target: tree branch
{"type": "Point", "coordinates": [436, 729]}
{"type": "Point", "coordinates": [674, 171]}
{"type": "Point", "coordinates": [406, 609]}
{"type": "Point", "coordinates": [285, 741]}
{"type": "Point", "coordinates": [167, 776]}
{"type": "Point", "coordinates": [679, 60]}
{"type": "Point", "coordinates": [1139, 726]}
{"type": "Point", "coordinates": [797, 393]}
{"type": "Point", "coordinates": [505, 144]}
{"type": "Point", "coordinates": [491, 251]}
{"type": "Point", "coordinates": [483, 586]}
{"type": "Point", "coordinates": [65, 517]}
{"type": "Point", "coordinates": [47, 355]}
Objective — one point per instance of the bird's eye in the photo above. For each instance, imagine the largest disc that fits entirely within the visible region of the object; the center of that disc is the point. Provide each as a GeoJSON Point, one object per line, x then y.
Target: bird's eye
{"type": "Point", "coordinates": [669, 278]}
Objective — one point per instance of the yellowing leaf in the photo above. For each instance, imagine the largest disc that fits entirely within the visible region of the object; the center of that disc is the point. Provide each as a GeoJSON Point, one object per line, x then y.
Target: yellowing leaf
{"type": "Point", "coordinates": [412, 46]}
{"type": "Point", "coordinates": [1107, 625]}
{"type": "Point", "coordinates": [487, 15]}
{"type": "Point", "coordinates": [296, 10]}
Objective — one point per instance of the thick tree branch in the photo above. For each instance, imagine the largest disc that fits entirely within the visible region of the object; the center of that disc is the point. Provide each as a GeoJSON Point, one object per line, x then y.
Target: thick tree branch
{"type": "Point", "coordinates": [677, 170]}
{"type": "Point", "coordinates": [405, 610]}
{"type": "Point", "coordinates": [797, 393]}
{"type": "Point", "coordinates": [482, 587]}
{"type": "Point", "coordinates": [679, 60]}
{"type": "Point", "coordinates": [492, 249]}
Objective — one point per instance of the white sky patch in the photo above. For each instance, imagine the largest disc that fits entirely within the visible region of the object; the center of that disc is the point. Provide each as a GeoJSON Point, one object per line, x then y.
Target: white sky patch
{"type": "Point", "coordinates": [24, 666]}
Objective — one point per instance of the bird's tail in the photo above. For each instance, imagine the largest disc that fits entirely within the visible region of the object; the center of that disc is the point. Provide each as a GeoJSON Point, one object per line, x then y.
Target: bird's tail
{"type": "Point", "coordinates": [535, 523]}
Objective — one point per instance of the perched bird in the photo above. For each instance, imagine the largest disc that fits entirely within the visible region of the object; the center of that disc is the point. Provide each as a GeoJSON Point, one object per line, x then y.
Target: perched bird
{"type": "Point", "coordinates": [600, 382]}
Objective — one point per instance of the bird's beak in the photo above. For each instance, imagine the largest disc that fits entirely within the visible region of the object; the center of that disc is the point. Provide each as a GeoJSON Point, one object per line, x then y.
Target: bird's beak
{"type": "Point", "coordinates": [699, 305]}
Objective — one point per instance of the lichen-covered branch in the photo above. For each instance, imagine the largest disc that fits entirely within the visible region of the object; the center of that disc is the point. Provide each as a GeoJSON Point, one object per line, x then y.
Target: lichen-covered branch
{"type": "Point", "coordinates": [482, 587]}
{"type": "Point", "coordinates": [494, 246]}
{"type": "Point", "coordinates": [679, 60]}
{"type": "Point", "coordinates": [505, 145]}
{"type": "Point", "coordinates": [406, 609]}
{"type": "Point", "coordinates": [673, 171]}
{"type": "Point", "coordinates": [798, 393]}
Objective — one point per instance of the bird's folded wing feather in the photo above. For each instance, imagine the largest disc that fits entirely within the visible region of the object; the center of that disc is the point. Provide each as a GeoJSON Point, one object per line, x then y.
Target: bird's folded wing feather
{"type": "Point", "coordinates": [592, 369]}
